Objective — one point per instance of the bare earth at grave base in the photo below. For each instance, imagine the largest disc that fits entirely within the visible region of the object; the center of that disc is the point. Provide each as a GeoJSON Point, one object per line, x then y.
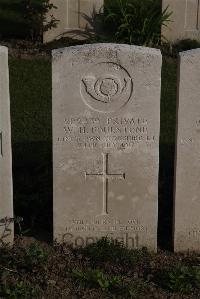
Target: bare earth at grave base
{"type": "Point", "coordinates": [33, 269]}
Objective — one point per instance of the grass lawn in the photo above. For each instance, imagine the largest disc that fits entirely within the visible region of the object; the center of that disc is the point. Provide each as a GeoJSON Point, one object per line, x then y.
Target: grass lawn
{"type": "Point", "coordinates": [167, 148]}
{"type": "Point", "coordinates": [103, 270]}
{"type": "Point", "coordinates": [30, 89]}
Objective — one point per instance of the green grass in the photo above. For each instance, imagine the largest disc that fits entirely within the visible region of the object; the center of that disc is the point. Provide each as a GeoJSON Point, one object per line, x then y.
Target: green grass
{"type": "Point", "coordinates": [168, 101]}
{"type": "Point", "coordinates": [30, 90]}
{"type": "Point", "coordinates": [31, 115]}
{"type": "Point", "coordinates": [12, 22]}
{"type": "Point", "coordinates": [36, 270]}
{"type": "Point", "coordinates": [167, 148]}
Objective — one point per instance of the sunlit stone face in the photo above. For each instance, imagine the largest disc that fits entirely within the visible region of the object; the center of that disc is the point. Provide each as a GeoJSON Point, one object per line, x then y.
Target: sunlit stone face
{"type": "Point", "coordinates": [106, 107]}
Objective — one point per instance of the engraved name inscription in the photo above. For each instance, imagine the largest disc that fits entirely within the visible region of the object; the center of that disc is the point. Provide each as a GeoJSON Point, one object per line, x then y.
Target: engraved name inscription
{"type": "Point", "coordinates": [116, 133]}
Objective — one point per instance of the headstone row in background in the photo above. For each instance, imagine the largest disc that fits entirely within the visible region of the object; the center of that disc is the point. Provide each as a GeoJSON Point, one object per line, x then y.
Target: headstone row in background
{"type": "Point", "coordinates": [184, 20]}
{"type": "Point", "coordinates": [106, 106]}
{"type": "Point", "coordinates": [73, 18]}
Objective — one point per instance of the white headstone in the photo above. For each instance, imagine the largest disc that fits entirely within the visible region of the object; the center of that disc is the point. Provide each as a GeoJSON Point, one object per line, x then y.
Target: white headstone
{"type": "Point", "coordinates": [106, 107]}
{"type": "Point", "coordinates": [6, 190]}
{"type": "Point", "coordinates": [185, 20]}
{"type": "Point", "coordinates": [187, 191]}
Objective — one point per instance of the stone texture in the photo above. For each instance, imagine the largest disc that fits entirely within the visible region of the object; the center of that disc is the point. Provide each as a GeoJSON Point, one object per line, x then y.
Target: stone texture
{"type": "Point", "coordinates": [185, 20]}
{"type": "Point", "coordinates": [6, 196]}
{"type": "Point", "coordinates": [187, 192]}
{"type": "Point", "coordinates": [106, 107]}
{"type": "Point", "coordinates": [69, 13]}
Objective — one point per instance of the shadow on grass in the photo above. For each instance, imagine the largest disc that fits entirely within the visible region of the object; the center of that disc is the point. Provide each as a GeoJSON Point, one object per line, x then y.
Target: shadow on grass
{"type": "Point", "coordinates": [166, 185]}
{"type": "Point", "coordinates": [33, 188]}
{"type": "Point", "coordinates": [167, 150]}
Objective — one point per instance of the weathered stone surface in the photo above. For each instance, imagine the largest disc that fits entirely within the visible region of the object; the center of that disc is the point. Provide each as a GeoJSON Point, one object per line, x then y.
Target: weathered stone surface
{"type": "Point", "coordinates": [187, 192]}
{"type": "Point", "coordinates": [106, 103]}
{"type": "Point", "coordinates": [6, 196]}
{"type": "Point", "coordinates": [70, 14]}
{"type": "Point", "coordinates": [185, 20]}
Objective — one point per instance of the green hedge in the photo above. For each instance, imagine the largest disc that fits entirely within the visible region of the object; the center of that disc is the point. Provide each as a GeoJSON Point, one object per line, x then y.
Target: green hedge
{"type": "Point", "coordinates": [12, 21]}
{"type": "Point", "coordinates": [135, 21]}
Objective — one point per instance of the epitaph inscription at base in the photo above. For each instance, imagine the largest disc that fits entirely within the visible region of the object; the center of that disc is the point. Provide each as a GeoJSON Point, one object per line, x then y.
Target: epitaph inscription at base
{"type": "Point", "coordinates": [106, 107]}
{"type": "Point", "coordinates": [6, 193]}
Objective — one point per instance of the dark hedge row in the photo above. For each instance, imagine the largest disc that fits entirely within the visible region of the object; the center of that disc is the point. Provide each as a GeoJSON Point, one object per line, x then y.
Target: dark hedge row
{"type": "Point", "coordinates": [25, 18]}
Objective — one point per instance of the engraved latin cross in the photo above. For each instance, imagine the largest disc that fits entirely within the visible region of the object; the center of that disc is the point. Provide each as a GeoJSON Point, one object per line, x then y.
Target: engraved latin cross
{"type": "Point", "coordinates": [106, 176]}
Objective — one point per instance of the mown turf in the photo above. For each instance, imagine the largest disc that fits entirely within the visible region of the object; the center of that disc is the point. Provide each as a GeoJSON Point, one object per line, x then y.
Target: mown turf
{"type": "Point", "coordinates": [102, 270]}
{"type": "Point", "coordinates": [168, 101]}
{"type": "Point", "coordinates": [31, 115]}
{"type": "Point", "coordinates": [30, 90]}
{"type": "Point", "coordinates": [167, 149]}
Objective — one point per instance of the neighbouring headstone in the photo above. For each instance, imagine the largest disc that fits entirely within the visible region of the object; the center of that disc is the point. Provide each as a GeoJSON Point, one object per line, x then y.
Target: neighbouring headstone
{"type": "Point", "coordinates": [6, 191]}
{"type": "Point", "coordinates": [187, 189]}
{"type": "Point", "coordinates": [185, 20]}
{"type": "Point", "coordinates": [106, 107]}
{"type": "Point", "coordinates": [73, 17]}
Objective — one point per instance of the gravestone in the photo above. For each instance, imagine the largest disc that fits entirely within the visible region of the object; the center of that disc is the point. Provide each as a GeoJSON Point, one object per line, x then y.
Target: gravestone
{"type": "Point", "coordinates": [187, 192]}
{"type": "Point", "coordinates": [70, 14]}
{"type": "Point", "coordinates": [106, 101]}
{"type": "Point", "coordinates": [185, 20]}
{"type": "Point", "coordinates": [6, 197]}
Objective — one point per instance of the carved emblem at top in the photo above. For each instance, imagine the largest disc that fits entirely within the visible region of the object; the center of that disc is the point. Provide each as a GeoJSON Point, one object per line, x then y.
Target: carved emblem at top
{"type": "Point", "coordinates": [106, 87]}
